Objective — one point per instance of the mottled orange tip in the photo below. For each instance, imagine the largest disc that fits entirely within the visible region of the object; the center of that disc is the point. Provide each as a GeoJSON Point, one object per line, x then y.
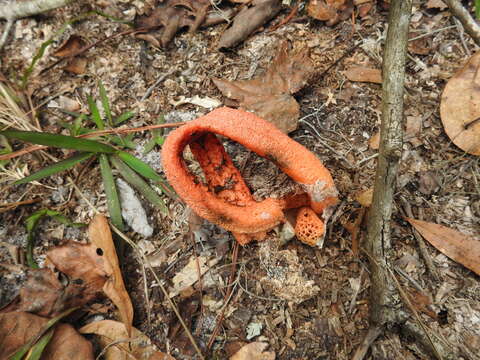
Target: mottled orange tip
{"type": "Point", "coordinates": [225, 198]}
{"type": "Point", "coordinates": [309, 228]}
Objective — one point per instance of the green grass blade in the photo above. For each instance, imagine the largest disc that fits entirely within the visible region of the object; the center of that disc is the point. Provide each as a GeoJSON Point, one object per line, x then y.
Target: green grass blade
{"type": "Point", "coordinates": [113, 18]}
{"type": "Point", "coordinates": [477, 9]}
{"type": "Point", "coordinates": [20, 353]}
{"type": "Point", "coordinates": [139, 166]}
{"type": "Point", "coordinates": [138, 183]}
{"type": "Point", "coordinates": [96, 118]}
{"type": "Point", "coordinates": [124, 117]}
{"type": "Point", "coordinates": [38, 348]}
{"type": "Point", "coordinates": [149, 146]}
{"type": "Point", "coordinates": [147, 172]}
{"type": "Point", "coordinates": [31, 224]}
{"type": "Point", "coordinates": [55, 168]}
{"type": "Point", "coordinates": [59, 141]}
{"type": "Point", "coordinates": [113, 202]}
{"type": "Point", "coordinates": [105, 103]}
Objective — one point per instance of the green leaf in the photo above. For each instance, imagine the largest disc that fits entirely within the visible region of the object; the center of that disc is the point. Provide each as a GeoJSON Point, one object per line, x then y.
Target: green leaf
{"type": "Point", "coordinates": [113, 202]}
{"type": "Point", "coordinates": [96, 118]}
{"type": "Point", "coordinates": [20, 353]}
{"type": "Point", "coordinates": [105, 102]}
{"type": "Point", "coordinates": [59, 141]}
{"type": "Point", "coordinates": [138, 183]}
{"type": "Point", "coordinates": [146, 171]}
{"type": "Point", "coordinates": [149, 146]}
{"type": "Point", "coordinates": [55, 168]}
{"type": "Point", "coordinates": [77, 128]}
{"type": "Point", "coordinates": [477, 9]}
{"type": "Point", "coordinates": [31, 224]}
{"type": "Point", "coordinates": [139, 166]}
{"type": "Point", "coordinates": [124, 141]}
{"type": "Point", "coordinates": [5, 148]}
{"type": "Point", "coordinates": [38, 348]}
{"type": "Point", "coordinates": [124, 117]}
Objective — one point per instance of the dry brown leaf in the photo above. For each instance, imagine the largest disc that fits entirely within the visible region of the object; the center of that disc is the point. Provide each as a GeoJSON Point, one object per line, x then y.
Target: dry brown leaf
{"type": "Point", "coordinates": [364, 9]}
{"type": "Point", "coordinates": [189, 274]}
{"type": "Point", "coordinates": [44, 295]}
{"type": "Point", "coordinates": [436, 4]}
{"type": "Point", "coordinates": [100, 235]}
{"type": "Point", "coordinates": [17, 328]}
{"type": "Point", "coordinates": [81, 262]}
{"type": "Point", "coordinates": [460, 107]}
{"type": "Point", "coordinates": [457, 246]}
{"type": "Point", "coordinates": [139, 347]}
{"type": "Point", "coordinates": [363, 74]}
{"type": "Point", "coordinates": [254, 351]}
{"type": "Point", "coordinates": [77, 65]}
{"type": "Point", "coordinates": [169, 17]}
{"type": "Point", "coordinates": [70, 47]}
{"type": "Point", "coordinates": [374, 141]}
{"type": "Point", "coordinates": [331, 11]}
{"type": "Point", "coordinates": [269, 96]}
{"type": "Point", "coordinates": [248, 20]}
{"type": "Point", "coordinates": [365, 197]}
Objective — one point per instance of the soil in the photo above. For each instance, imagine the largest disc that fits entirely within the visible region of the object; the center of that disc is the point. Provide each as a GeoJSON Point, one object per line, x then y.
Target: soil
{"type": "Point", "coordinates": [306, 303]}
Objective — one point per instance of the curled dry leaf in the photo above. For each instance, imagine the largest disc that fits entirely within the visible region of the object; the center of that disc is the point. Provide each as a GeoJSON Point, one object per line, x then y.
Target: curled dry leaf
{"type": "Point", "coordinates": [363, 74]}
{"type": "Point", "coordinates": [44, 295]}
{"type": "Point", "coordinates": [70, 47]}
{"type": "Point", "coordinates": [254, 351]}
{"type": "Point", "coordinates": [189, 274]}
{"type": "Point", "coordinates": [77, 64]}
{"type": "Point", "coordinates": [169, 17]}
{"type": "Point", "coordinates": [248, 20]}
{"type": "Point", "coordinates": [269, 96]}
{"type": "Point", "coordinates": [331, 11]}
{"type": "Point", "coordinates": [460, 107]}
{"type": "Point", "coordinates": [436, 4]}
{"type": "Point", "coordinates": [457, 246]}
{"type": "Point", "coordinates": [365, 197]}
{"type": "Point", "coordinates": [134, 346]}
{"type": "Point", "coordinates": [17, 328]}
{"type": "Point", "coordinates": [100, 235]}
{"type": "Point", "coordinates": [374, 141]}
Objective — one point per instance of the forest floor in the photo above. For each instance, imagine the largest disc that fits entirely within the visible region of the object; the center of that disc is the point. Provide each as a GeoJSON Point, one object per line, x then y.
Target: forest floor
{"type": "Point", "coordinates": [305, 302]}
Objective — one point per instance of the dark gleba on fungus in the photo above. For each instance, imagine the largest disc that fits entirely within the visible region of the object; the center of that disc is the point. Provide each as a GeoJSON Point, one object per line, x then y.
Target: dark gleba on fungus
{"type": "Point", "coordinates": [225, 199]}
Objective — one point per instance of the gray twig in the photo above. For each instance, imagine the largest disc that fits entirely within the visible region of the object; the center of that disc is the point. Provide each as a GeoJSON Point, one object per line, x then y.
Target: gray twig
{"type": "Point", "coordinates": [469, 24]}
{"type": "Point", "coordinates": [13, 10]}
{"type": "Point", "coordinates": [421, 243]}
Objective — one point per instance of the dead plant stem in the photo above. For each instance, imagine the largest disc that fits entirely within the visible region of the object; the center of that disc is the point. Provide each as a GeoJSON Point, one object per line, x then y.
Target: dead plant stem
{"type": "Point", "coordinates": [469, 24]}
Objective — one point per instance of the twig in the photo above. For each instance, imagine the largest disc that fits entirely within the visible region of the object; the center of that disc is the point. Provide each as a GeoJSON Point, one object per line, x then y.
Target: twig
{"type": "Point", "coordinates": [421, 243]}
{"type": "Point", "coordinates": [155, 84]}
{"type": "Point", "coordinates": [372, 334]}
{"type": "Point", "coordinates": [287, 18]}
{"type": "Point", "coordinates": [90, 135]}
{"type": "Point", "coordinates": [228, 296]}
{"type": "Point", "coordinates": [13, 10]}
{"type": "Point", "coordinates": [417, 317]}
{"type": "Point", "coordinates": [384, 310]}
{"type": "Point", "coordinates": [468, 22]}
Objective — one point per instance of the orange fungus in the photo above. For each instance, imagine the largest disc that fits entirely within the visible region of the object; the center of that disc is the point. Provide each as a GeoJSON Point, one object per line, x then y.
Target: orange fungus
{"type": "Point", "coordinates": [225, 199]}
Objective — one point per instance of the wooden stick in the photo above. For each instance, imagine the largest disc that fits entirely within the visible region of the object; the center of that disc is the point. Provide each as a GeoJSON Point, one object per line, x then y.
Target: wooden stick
{"type": "Point", "coordinates": [469, 24]}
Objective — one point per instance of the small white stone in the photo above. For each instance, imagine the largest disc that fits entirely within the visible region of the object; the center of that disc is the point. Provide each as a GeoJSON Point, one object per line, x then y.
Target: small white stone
{"type": "Point", "coordinates": [132, 210]}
